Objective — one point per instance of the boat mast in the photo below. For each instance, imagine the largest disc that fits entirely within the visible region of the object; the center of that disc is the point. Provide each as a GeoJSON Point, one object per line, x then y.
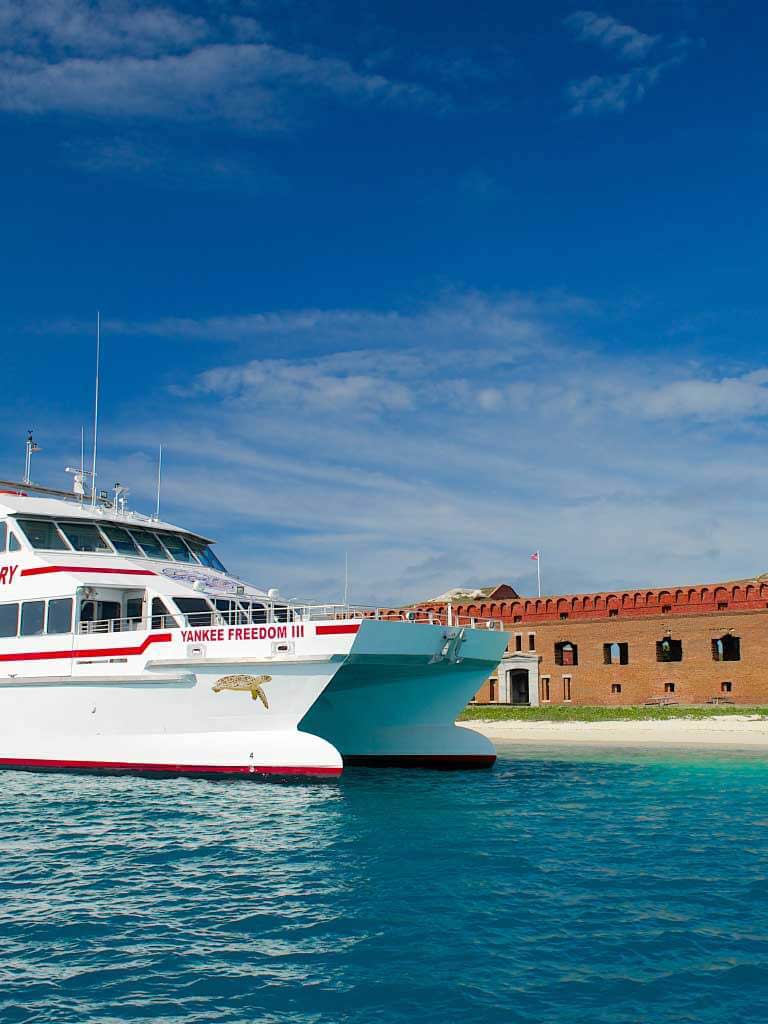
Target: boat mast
{"type": "Point", "coordinates": [96, 411]}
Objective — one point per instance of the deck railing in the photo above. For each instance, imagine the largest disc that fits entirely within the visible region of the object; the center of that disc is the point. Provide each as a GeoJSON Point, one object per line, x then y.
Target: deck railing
{"type": "Point", "coordinates": [277, 614]}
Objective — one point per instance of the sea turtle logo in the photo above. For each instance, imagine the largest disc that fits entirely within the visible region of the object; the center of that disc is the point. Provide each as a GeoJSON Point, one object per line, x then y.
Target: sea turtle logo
{"type": "Point", "coordinates": [252, 683]}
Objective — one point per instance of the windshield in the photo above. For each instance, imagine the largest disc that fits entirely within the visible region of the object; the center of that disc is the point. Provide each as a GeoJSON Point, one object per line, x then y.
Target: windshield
{"type": "Point", "coordinates": [205, 555]}
{"type": "Point", "coordinates": [121, 540]}
{"type": "Point", "coordinates": [151, 545]}
{"type": "Point", "coordinates": [84, 537]}
{"type": "Point", "coordinates": [176, 546]}
{"type": "Point", "coordinates": [42, 534]}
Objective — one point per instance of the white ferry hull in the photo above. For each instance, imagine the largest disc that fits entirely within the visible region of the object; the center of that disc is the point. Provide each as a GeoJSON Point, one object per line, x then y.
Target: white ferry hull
{"type": "Point", "coordinates": [118, 657]}
{"type": "Point", "coordinates": [392, 698]}
{"type": "Point", "coordinates": [167, 724]}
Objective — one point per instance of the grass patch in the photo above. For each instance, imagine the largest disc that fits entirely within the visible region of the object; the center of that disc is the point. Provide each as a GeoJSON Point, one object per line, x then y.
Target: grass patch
{"type": "Point", "coordinates": [632, 713]}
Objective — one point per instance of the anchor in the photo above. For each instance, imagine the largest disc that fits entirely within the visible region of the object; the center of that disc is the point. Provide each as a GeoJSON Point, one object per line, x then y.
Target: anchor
{"type": "Point", "coordinates": [450, 649]}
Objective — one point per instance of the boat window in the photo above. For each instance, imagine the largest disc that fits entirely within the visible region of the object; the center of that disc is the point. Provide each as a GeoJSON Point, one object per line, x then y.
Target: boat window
{"type": "Point", "coordinates": [84, 537]}
{"type": "Point", "coordinates": [197, 610]}
{"type": "Point", "coordinates": [13, 542]}
{"type": "Point", "coordinates": [59, 615]}
{"type": "Point", "coordinates": [121, 540]}
{"type": "Point", "coordinates": [42, 533]}
{"type": "Point", "coordinates": [32, 615]}
{"type": "Point", "coordinates": [87, 611]}
{"type": "Point", "coordinates": [151, 545]}
{"type": "Point", "coordinates": [178, 550]}
{"type": "Point", "coordinates": [205, 555]}
{"type": "Point", "coordinates": [161, 617]}
{"type": "Point", "coordinates": [258, 612]}
{"type": "Point", "coordinates": [9, 619]}
{"type": "Point", "coordinates": [133, 608]}
{"type": "Point", "coordinates": [3, 531]}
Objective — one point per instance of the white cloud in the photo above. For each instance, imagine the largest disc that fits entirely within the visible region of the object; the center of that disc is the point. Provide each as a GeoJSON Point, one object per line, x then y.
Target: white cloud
{"type": "Point", "coordinates": [442, 445]}
{"type": "Point", "coordinates": [711, 400]}
{"type": "Point", "coordinates": [600, 93]}
{"type": "Point", "coordinates": [123, 59]}
{"type": "Point", "coordinates": [610, 33]}
{"type": "Point", "coordinates": [99, 28]}
{"type": "Point", "coordinates": [613, 93]}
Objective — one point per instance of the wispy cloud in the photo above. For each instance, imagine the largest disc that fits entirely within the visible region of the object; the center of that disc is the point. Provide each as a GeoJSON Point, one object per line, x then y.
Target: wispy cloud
{"type": "Point", "coordinates": [601, 93]}
{"type": "Point", "coordinates": [128, 60]}
{"type": "Point", "coordinates": [98, 29]}
{"type": "Point", "coordinates": [441, 445]}
{"type": "Point", "coordinates": [611, 34]}
{"type": "Point", "coordinates": [614, 92]}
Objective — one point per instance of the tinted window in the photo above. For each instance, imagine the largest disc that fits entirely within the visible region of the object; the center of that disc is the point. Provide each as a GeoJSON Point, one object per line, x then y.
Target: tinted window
{"type": "Point", "coordinates": [150, 544]}
{"type": "Point", "coordinates": [178, 549]}
{"type": "Point", "coordinates": [9, 619]}
{"type": "Point", "coordinates": [196, 608]}
{"type": "Point", "coordinates": [60, 615]}
{"type": "Point", "coordinates": [32, 614]}
{"type": "Point", "coordinates": [161, 617]}
{"type": "Point", "coordinates": [43, 534]}
{"type": "Point", "coordinates": [3, 531]}
{"type": "Point", "coordinates": [84, 537]}
{"type": "Point", "coordinates": [121, 540]}
{"type": "Point", "coordinates": [206, 556]}
{"type": "Point", "coordinates": [13, 542]}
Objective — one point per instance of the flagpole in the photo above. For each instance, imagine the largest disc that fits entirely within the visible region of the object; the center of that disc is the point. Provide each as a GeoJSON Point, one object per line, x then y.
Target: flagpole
{"type": "Point", "coordinates": [538, 570]}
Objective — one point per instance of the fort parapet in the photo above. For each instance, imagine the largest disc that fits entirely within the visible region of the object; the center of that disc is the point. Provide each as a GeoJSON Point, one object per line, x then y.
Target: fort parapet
{"type": "Point", "coordinates": [687, 644]}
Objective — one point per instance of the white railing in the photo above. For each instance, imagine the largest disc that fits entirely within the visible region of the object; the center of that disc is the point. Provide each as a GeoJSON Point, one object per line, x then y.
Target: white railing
{"type": "Point", "coordinates": [276, 614]}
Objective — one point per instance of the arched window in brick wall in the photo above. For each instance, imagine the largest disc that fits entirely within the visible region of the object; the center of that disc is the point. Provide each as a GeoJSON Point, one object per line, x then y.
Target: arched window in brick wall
{"type": "Point", "coordinates": [566, 653]}
{"type": "Point", "coordinates": [726, 648]}
{"type": "Point", "coordinates": [668, 649]}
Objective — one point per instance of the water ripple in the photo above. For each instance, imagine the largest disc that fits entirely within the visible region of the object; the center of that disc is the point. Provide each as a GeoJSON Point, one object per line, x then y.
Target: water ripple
{"type": "Point", "coordinates": [560, 887]}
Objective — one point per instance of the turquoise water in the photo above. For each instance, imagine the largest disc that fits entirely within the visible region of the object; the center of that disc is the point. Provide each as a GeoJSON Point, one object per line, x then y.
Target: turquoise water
{"type": "Point", "coordinates": [558, 887]}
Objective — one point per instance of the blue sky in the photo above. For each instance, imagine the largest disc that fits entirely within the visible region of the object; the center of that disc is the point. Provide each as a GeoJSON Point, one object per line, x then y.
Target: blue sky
{"type": "Point", "coordinates": [434, 284]}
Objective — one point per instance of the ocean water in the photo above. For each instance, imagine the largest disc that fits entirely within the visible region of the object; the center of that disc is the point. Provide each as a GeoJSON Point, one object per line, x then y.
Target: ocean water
{"type": "Point", "coordinates": [558, 887]}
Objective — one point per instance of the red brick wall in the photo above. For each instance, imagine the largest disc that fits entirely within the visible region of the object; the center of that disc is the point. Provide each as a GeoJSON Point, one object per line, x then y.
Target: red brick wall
{"type": "Point", "coordinates": [695, 615]}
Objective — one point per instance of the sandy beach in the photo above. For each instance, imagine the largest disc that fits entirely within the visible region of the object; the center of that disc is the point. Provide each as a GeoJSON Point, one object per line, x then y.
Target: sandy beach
{"type": "Point", "coordinates": [725, 731]}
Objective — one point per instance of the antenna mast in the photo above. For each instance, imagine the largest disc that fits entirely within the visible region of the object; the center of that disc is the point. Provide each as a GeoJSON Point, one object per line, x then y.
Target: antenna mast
{"type": "Point", "coordinates": [96, 410]}
{"type": "Point", "coordinates": [346, 577]}
{"type": "Point", "coordinates": [159, 471]}
{"type": "Point", "coordinates": [30, 448]}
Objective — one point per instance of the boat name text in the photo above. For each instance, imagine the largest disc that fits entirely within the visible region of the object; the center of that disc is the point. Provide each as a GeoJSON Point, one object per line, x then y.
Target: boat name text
{"type": "Point", "coordinates": [7, 573]}
{"type": "Point", "coordinates": [240, 633]}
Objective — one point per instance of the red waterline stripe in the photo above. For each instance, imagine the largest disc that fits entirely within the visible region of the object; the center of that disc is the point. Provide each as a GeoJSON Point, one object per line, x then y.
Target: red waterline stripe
{"type": "Point", "coordinates": [333, 630]}
{"type": "Point", "coordinates": [175, 769]}
{"type": "Point", "coordinates": [87, 652]}
{"type": "Point", "coordinates": [43, 570]}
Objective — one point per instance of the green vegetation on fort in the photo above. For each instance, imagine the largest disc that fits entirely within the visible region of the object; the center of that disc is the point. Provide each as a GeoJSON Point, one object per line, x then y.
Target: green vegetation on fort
{"type": "Point", "coordinates": [563, 713]}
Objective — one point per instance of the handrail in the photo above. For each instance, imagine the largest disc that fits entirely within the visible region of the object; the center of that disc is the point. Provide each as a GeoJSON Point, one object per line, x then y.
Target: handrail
{"type": "Point", "coordinates": [280, 614]}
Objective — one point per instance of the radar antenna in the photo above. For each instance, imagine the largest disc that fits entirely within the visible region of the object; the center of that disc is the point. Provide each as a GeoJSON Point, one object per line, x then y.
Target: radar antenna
{"type": "Point", "coordinates": [29, 449]}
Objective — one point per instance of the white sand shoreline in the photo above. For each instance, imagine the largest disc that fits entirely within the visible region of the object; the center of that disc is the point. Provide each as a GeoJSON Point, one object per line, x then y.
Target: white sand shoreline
{"type": "Point", "coordinates": [721, 731]}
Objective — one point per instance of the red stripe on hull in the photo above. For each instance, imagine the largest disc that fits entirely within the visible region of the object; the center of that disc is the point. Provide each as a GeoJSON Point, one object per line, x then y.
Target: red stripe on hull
{"type": "Point", "coordinates": [444, 762]}
{"type": "Point", "coordinates": [43, 570]}
{"type": "Point", "coordinates": [86, 652]}
{"type": "Point", "coordinates": [335, 630]}
{"type": "Point", "coordinates": [128, 767]}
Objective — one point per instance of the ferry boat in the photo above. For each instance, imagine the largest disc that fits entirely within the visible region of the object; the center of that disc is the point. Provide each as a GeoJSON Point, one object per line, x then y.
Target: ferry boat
{"type": "Point", "coordinates": [126, 646]}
